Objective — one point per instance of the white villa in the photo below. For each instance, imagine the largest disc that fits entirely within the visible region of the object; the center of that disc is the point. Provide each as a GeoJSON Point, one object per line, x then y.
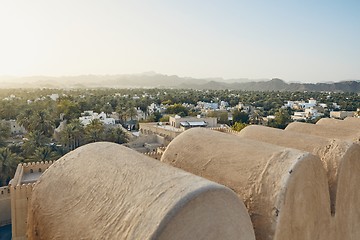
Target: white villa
{"type": "Point", "coordinates": [88, 116]}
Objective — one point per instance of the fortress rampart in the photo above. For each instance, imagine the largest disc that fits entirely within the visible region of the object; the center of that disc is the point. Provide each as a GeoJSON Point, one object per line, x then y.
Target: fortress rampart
{"type": "Point", "coordinates": [300, 183]}
{"type": "Point", "coordinates": [5, 206]}
{"type": "Point", "coordinates": [136, 198]}
{"type": "Point", "coordinates": [21, 190]}
{"type": "Point", "coordinates": [155, 155]}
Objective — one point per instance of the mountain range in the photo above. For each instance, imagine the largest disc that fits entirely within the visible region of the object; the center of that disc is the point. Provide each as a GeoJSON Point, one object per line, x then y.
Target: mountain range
{"type": "Point", "coordinates": [154, 80]}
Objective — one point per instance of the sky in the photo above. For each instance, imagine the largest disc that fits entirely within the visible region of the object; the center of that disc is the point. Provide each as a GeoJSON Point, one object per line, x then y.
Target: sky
{"type": "Point", "coordinates": [295, 40]}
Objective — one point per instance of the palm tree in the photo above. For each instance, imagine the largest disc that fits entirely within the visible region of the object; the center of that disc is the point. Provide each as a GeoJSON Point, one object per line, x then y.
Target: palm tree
{"type": "Point", "coordinates": [4, 132]}
{"type": "Point", "coordinates": [71, 137]}
{"type": "Point", "coordinates": [41, 121]}
{"type": "Point", "coordinates": [8, 163]}
{"type": "Point", "coordinates": [24, 118]}
{"type": "Point", "coordinates": [122, 113]}
{"type": "Point", "coordinates": [131, 112]}
{"type": "Point", "coordinates": [44, 154]}
{"type": "Point", "coordinates": [94, 132]}
{"type": "Point", "coordinates": [34, 140]}
{"type": "Point", "coordinates": [116, 135]}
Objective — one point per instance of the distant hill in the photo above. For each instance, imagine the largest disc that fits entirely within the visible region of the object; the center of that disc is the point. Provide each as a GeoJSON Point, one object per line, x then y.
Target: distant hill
{"type": "Point", "coordinates": [280, 85]}
{"type": "Point", "coordinates": [152, 80]}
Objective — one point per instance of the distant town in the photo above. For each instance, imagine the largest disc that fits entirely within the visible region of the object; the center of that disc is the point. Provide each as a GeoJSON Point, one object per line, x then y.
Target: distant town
{"type": "Point", "coordinates": [44, 124]}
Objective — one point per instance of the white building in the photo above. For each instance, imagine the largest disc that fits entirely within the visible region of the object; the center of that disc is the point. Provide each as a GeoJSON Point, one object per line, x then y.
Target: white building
{"type": "Point", "coordinates": [153, 108]}
{"type": "Point", "coordinates": [88, 116]}
{"type": "Point", "coordinates": [54, 96]}
{"type": "Point", "coordinates": [208, 106]}
{"type": "Point", "coordinates": [188, 122]}
{"type": "Point", "coordinates": [224, 105]}
{"type": "Point", "coordinates": [289, 104]}
{"type": "Point", "coordinates": [15, 128]}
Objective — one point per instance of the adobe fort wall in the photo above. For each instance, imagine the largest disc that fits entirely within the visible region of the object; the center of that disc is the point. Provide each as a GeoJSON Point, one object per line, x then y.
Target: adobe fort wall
{"type": "Point", "coordinates": [339, 123]}
{"type": "Point", "coordinates": [224, 130]}
{"type": "Point", "coordinates": [355, 120]}
{"type": "Point", "coordinates": [21, 191]}
{"type": "Point", "coordinates": [339, 158]}
{"type": "Point", "coordinates": [5, 206]}
{"type": "Point", "coordinates": [20, 197]}
{"type": "Point", "coordinates": [107, 191]}
{"type": "Point", "coordinates": [155, 155]}
{"type": "Point", "coordinates": [325, 131]}
{"type": "Point", "coordinates": [285, 190]}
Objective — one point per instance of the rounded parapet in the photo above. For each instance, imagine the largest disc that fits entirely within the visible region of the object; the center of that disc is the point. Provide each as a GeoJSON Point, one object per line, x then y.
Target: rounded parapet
{"type": "Point", "coordinates": [325, 131]}
{"type": "Point", "coordinates": [355, 120]}
{"type": "Point", "coordinates": [107, 191]}
{"type": "Point", "coordinates": [332, 152]}
{"type": "Point", "coordinates": [285, 190]}
{"type": "Point", "coordinates": [339, 123]}
{"type": "Point", "coordinates": [347, 213]}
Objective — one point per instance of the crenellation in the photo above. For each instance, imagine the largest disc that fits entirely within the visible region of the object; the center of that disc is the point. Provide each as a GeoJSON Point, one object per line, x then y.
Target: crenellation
{"type": "Point", "coordinates": [4, 192]}
{"type": "Point", "coordinates": [21, 188]}
{"type": "Point", "coordinates": [156, 154]}
{"type": "Point", "coordinates": [5, 205]}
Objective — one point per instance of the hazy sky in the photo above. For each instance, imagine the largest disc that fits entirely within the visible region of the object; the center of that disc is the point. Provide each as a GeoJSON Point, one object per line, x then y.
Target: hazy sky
{"type": "Point", "coordinates": [302, 40]}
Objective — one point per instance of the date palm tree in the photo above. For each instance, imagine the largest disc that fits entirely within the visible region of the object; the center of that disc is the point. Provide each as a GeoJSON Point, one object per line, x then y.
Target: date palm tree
{"type": "Point", "coordinates": [73, 134]}
{"type": "Point", "coordinates": [8, 163]}
{"type": "Point", "coordinates": [24, 118]}
{"type": "Point", "coordinates": [41, 121]}
{"type": "Point", "coordinates": [94, 132]}
{"type": "Point", "coordinates": [33, 141]}
{"type": "Point", "coordinates": [116, 135]}
{"type": "Point", "coordinates": [44, 154]}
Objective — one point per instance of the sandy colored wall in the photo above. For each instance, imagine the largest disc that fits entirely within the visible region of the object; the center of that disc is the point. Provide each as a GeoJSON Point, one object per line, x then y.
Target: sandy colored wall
{"type": "Point", "coordinates": [5, 206]}
{"type": "Point", "coordinates": [21, 195]}
{"type": "Point", "coordinates": [285, 190]}
{"type": "Point", "coordinates": [107, 191]}
{"type": "Point", "coordinates": [150, 128]}
{"type": "Point", "coordinates": [355, 120]}
{"type": "Point", "coordinates": [341, 162]}
{"type": "Point", "coordinates": [324, 131]}
{"type": "Point", "coordinates": [140, 141]}
{"type": "Point", "coordinates": [155, 155]}
{"type": "Point", "coordinates": [339, 123]}
{"type": "Point", "coordinates": [36, 166]}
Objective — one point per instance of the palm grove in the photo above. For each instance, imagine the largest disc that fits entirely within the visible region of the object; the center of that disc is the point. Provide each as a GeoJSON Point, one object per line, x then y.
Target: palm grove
{"type": "Point", "coordinates": [40, 115]}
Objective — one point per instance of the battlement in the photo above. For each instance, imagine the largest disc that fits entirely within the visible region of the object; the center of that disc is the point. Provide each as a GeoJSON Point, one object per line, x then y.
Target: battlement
{"type": "Point", "coordinates": [29, 172]}
{"type": "Point", "coordinates": [29, 164]}
{"type": "Point", "coordinates": [224, 130]}
{"type": "Point", "coordinates": [161, 149]}
{"type": "Point", "coordinates": [155, 155]}
{"type": "Point", "coordinates": [4, 192]}
{"type": "Point", "coordinates": [5, 206]}
{"type": "Point", "coordinates": [22, 190]}
{"type": "Point", "coordinates": [35, 166]}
